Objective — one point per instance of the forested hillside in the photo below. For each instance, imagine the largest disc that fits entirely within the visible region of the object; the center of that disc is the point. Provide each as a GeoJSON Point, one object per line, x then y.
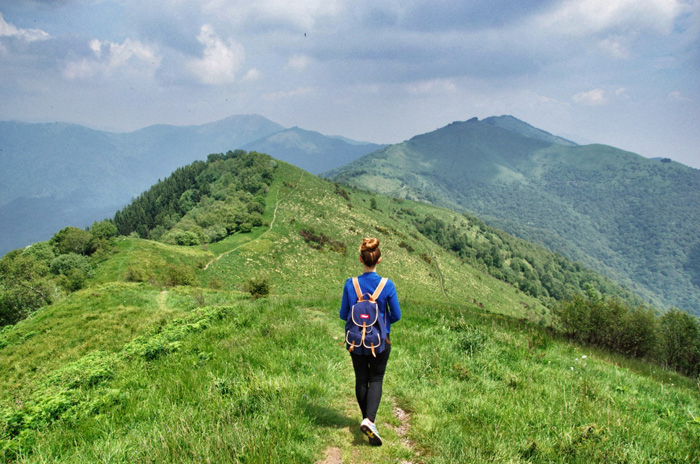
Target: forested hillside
{"type": "Point", "coordinates": [632, 218]}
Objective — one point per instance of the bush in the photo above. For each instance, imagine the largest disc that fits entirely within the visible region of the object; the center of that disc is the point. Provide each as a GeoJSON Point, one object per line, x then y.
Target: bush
{"type": "Point", "coordinates": [72, 240]}
{"type": "Point", "coordinates": [258, 287]}
{"type": "Point", "coordinates": [135, 274]}
{"type": "Point", "coordinates": [319, 240]}
{"type": "Point", "coordinates": [63, 264]}
{"type": "Point", "coordinates": [680, 341]}
{"type": "Point", "coordinates": [405, 245]}
{"type": "Point", "coordinates": [181, 237]}
{"type": "Point", "coordinates": [74, 280]}
{"type": "Point", "coordinates": [179, 275]}
{"type": "Point", "coordinates": [103, 230]}
{"type": "Point", "coordinates": [246, 227]}
{"type": "Point", "coordinates": [42, 251]}
{"type": "Point", "coordinates": [215, 233]}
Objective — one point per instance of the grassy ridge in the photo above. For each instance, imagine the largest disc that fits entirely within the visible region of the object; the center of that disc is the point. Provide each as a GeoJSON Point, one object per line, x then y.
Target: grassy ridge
{"type": "Point", "coordinates": [138, 372]}
{"type": "Point", "coordinates": [267, 381]}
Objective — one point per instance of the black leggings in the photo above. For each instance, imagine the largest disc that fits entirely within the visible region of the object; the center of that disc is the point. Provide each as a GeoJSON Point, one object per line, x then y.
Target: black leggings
{"type": "Point", "coordinates": [369, 374]}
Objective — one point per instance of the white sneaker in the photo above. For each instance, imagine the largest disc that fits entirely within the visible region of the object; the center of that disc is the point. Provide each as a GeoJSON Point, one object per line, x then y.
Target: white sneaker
{"type": "Point", "coordinates": [369, 429]}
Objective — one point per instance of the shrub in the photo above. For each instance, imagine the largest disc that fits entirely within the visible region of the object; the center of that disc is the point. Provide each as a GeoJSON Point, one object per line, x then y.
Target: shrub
{"type": "Point", "coordinates": [215, 233]}
{"type": "Point", "coordinates": [405, 245]}
{"type": "Point", "coordinates": [182, 237]}
{"type": "Point", "coordinates": [135, 274]}
{"type": "Point", "coordinates": [179, 275]}
{"type": "Point", "coordinates": [258, 287]}
{"type": "Point", "coordinates": [72, 240]}
{"type": "Point", "coordinates": [319, 240]}
{"type": "Point", "coordinates": [255, 219]}
{"type": "Point", "coordinates": [680, 341]}
{"type": "Point", "coordinates": [42, 251]}
{"type": "Point", "coordinates": [103, 230]}
{"type": "Point", "coordinates": [74, 280]}
{"type": "Point", "coordinates": [63, 264]}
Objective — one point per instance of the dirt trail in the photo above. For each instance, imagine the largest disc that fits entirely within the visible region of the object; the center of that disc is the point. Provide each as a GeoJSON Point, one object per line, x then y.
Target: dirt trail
{"type": "Point", "coordinates": [442, 282]}
{"type": "Point", "coordinates": [332, 456]}
{"type": "Point", "coordinates": [402, 431]}
{"type": "Point", "coordinates": [161, 300]}
{"type": "Point", "coordinates": [353, 444]}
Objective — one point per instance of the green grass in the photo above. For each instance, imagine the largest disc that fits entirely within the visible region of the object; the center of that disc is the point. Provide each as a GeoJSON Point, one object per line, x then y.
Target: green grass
{"type": "Point", "coordinates": [127, 372]}
{"type": "Point", "coordinates": [267, 381]}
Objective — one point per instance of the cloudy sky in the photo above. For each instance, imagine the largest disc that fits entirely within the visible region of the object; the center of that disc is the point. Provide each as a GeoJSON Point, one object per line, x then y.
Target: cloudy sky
{"type": "Point", "coordinates": [620, 72]}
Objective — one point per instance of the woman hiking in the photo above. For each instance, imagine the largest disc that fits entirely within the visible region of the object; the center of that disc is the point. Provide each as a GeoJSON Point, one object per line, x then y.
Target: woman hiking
{"type": "Point", "coordinates": [368, 342]}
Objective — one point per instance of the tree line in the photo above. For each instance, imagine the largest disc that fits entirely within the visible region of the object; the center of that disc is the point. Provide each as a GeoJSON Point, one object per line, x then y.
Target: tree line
{"type": "Point", "coordinates": [37, 275]}
{"type": "Point", "coordinates": [587, 307]}
{"type": "Point", "coordinates": [540, 273]}
{"type": "Point", "coordinates": [671, 339]}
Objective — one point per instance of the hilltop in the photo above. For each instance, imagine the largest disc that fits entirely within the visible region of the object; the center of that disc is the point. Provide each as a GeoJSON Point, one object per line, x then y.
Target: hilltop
{"type": "Point", "coordinates": [162, 356]}
{"type": "Point", "coordinates": [632, 218]}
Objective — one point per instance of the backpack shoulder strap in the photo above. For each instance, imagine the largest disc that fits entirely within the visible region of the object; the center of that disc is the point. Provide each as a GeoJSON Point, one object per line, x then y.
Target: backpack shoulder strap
{"type": "Point", "coordinates": [379, 289]}
{"type": "Point", "coordinates": [356, 284]}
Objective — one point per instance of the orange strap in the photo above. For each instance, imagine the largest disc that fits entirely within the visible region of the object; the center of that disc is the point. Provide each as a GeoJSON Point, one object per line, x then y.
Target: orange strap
{"type": "Point", "coordinates": [377, 291]}
{"type": "Point", "coordinates": [356, 284]}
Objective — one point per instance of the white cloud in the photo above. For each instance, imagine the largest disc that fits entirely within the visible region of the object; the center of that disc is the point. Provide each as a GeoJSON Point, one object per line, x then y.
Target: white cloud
{"type": "Point", "coordinates": [131, 58]}
{"type": "Point", "coordinates": [30, 35]}
{"type": "Point", "coordinates": [615, 46]}
{"type": "Point", "coordinates": [579, 17]}
{"type": "Point", "coordinates": [252, 75]}
{"type": "Point", "coordinates": [220, 61]}
{"type": "Point", "coordinates": [595, 97]}
{"type": "Point", "coordinates": [298, 62]}
{"type": "Point", "coordinates": [96, 47]}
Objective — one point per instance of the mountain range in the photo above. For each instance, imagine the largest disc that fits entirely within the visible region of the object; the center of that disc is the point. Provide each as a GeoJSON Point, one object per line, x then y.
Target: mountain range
{"type": "Point", "coordinates": [55, 174]}
{"type": "Point", "coordinates": [630, 217]}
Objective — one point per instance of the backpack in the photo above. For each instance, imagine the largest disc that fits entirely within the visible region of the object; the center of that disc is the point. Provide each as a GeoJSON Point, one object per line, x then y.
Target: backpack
{"type": "Point", "coordinates": [365, 329]}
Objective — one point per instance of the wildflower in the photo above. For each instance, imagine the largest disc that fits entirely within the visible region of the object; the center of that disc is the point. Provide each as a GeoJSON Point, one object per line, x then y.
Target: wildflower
{"type": "Point", "coordinates": [584, 356]}
{"type": "Point", "coordinates": [572, 368]}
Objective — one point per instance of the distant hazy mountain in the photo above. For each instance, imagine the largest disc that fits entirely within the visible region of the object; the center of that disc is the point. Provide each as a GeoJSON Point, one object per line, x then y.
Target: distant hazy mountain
{"type": "Point", "coordinates": [310, 151]}
{"type": "Point", "coordinates": [54, 175]}
{"type": "Point", "coordinates": [633, 218]}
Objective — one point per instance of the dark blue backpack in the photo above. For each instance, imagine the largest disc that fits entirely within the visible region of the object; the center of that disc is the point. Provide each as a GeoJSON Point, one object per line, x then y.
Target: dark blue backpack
{"type": "Point", "coordinates": [365, 329]}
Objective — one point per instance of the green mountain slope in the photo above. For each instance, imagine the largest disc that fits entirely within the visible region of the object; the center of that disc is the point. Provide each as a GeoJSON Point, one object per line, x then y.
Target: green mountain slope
{"type": "Point", "coordinates": [632, 218]}
{"type": "Point", "coordinates": [160, 370]}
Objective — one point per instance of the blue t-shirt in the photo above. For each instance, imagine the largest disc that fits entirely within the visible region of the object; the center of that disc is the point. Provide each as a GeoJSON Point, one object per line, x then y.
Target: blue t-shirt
{"type": "Point", "coordinates": [387, 302]}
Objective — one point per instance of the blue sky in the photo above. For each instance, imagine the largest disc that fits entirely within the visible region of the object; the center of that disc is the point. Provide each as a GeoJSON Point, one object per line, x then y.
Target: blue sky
{"type": "Point", "coordinates": [619, 72]}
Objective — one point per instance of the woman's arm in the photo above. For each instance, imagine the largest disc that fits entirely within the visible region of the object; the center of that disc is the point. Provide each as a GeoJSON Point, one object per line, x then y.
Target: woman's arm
{"type": "Point", "coordinates": [345, 304]}
{"type": "Point", "coordinates": [394, 308]}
